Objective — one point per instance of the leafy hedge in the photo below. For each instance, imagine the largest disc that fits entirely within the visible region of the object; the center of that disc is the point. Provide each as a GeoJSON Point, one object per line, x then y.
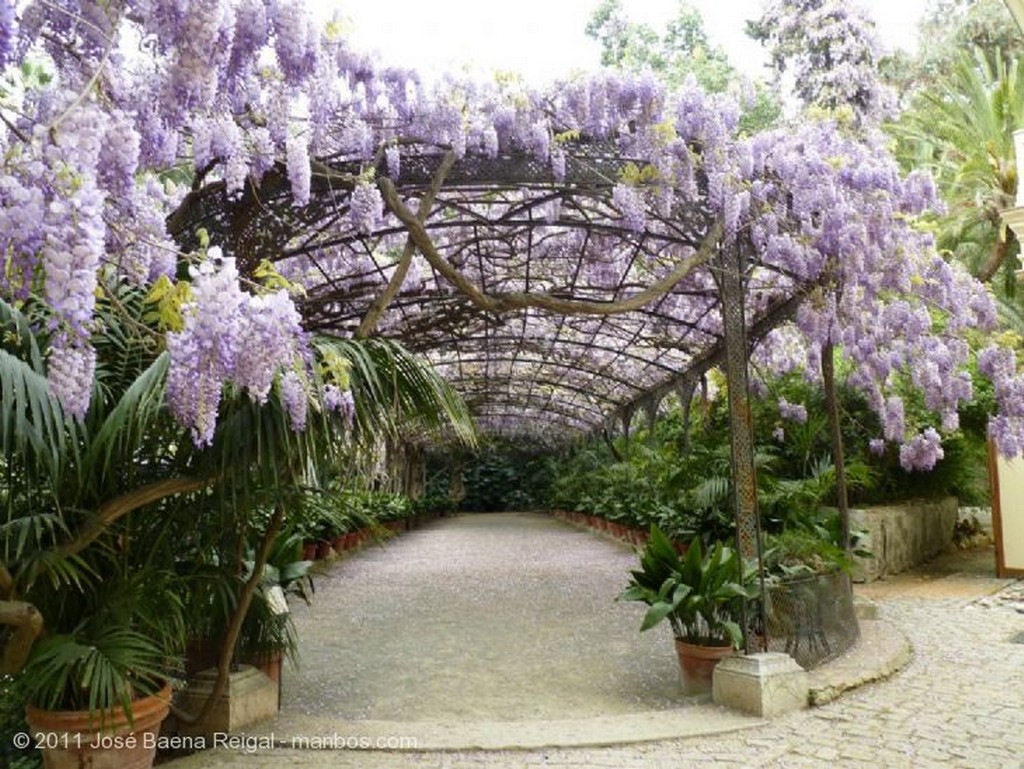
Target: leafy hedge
{"type": "Point", "coordinates": [677, 476]}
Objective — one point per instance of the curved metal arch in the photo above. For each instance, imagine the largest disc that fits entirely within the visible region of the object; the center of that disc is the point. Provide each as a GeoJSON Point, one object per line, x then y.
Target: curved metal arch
{"type": "Point", "coordinates": [575, 389]}
{"type": "Point", "coordinates": [555, 364]}
{"type": "Point", "coordinates": [525, 342]}
{"type": "Point", "coordinates": [522, 188]}
{"type": "Point", "coordinates": [583, 411]}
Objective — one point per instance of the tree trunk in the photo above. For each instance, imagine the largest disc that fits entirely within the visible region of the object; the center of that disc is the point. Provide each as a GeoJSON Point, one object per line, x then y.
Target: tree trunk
{"type": "Point", "coordinates": [995, 259]}
{"type": "Point", "coordinates": [828, 375]}
{"type": "Point", "coordinates": [227, 654]}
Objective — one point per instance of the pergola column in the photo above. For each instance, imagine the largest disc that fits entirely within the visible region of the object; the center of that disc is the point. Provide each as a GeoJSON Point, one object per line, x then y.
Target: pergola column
{"type": "Point", "coordinates": [741, 429]}
{"type": "Point", "coordinates": [730, 265]}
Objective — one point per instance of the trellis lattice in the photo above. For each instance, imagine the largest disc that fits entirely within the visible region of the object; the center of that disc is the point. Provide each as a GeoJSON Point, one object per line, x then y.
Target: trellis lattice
{"type": "Point", "coordinates": [512, 230]}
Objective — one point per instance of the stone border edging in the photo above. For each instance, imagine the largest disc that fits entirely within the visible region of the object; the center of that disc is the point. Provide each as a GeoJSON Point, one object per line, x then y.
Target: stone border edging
{"type": "Point", "coordinates": [881, 652]}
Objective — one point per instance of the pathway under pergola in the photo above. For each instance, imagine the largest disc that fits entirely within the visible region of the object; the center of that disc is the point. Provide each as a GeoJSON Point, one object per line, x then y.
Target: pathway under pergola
{"type": "Point", "coordinates": [468, 634]}
{"type": "Point", "coordinates": [552, 313]}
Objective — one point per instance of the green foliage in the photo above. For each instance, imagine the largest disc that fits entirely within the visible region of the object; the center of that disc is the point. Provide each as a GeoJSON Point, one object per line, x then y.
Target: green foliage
{"type": "Point", "coordinates": [678, 476]}
{"type": "Point", "coordinates": [701, 596]}
{"type": "Point", "coordinates": [12, 722]}
{"type": "Point", "coordinates": [93, 668]}
{"type": "Point", "coordinates": [505, 476]}
{"type": "Point", "coordinates": [962, 473]}
{"type": "Point", "coordinates": [131, 542]}
{"type": "Point", "coordinates": [802, 552]}
{"type": "Point", "coordinates": [395, 391]}
{"type": "Point", "coordinates": [950, 27]}
{"type": "Point", "coordinates": [638, 490]}
{"type": "Point", "coordinates": [436, 497]}
{"type": "Point", "coordinates": [960, 129]}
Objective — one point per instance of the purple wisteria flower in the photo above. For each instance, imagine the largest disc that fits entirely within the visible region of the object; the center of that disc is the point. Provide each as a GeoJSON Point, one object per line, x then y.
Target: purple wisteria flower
{"type": "Point", "coordinates": [630, 202]}
{"type": "Point", "coordinates": [365, 207]}
{"type": "Point", "coordinates": [8, 31]}
{"type": "Point", "coordinates": [394, 161]}
{"type": "Point", "coordinates": [341, 401]}
{"type": "Point", "coordinates": [795, 412]}
{"type": "Point", "coordinates": [70, 373]}
{"type": "Point", "coordinates": [299, 171]}
{"type": "Point", "coordinates": [295, 399]}
{"type": "Point", "coordinates": [232, 336]}
{"type": "Point", "coordinates": [922, 451]}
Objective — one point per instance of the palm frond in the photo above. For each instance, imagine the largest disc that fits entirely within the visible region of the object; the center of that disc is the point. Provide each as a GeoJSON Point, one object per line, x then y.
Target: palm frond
{"type": "Point", "coordinates": [394, 389]}
{"type": "Point", "coordinates": [31, 418]}
{"type": "Point", "coordinates": [133, 417]}
{"type": "Point", "coordinates": [19, 335]}
{"type": "Point", "coordinates": [94, 669]}
{"type": "Point", "coordinates": [1011, 313]}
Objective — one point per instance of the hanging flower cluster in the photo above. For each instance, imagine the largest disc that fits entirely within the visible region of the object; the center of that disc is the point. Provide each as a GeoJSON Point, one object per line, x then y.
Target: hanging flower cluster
{"type": "Point", "coordinates": [232, 336]}
{"type": "Point", "coordinates": [239, 88]}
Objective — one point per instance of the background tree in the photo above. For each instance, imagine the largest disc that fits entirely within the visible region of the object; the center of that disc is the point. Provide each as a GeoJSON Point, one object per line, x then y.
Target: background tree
{"type": "Point", "coordinates": [684, 50]}
{"type": "Point", "coordinates": [830, 52]}
{"type": "Point", "coordinates": [951, 27]}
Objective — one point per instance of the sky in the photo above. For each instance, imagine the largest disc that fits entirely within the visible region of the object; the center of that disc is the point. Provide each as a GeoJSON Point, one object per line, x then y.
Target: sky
{"type": "Point", "coordinates": [544, 39]}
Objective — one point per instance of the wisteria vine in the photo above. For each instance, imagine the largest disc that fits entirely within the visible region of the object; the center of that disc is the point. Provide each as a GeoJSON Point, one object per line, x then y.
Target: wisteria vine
{"type": "Point", "coordinates": [228, 91]}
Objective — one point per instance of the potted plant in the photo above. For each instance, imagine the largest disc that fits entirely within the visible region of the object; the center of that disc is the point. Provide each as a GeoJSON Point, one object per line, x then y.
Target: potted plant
{"type": "Point", "coordinates": [702, 597]}
{"type": "Point", "coordinates": [98, 690]}
{"type": "Point", "coordinates": [268, 633]}
{"type": "Point", "coordinates": [97, 698]}
{"type": "Point", "coordinates": [808, 601]}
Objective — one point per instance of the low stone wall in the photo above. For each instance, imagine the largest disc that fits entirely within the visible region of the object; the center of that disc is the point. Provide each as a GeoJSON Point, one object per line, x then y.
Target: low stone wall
{"type": "Point", "coordinates": [900, 536]}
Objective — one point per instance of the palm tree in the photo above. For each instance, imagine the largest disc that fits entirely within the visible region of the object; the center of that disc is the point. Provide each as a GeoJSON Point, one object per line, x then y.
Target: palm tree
{"type": "Point", "coordinates": [961, 130]}
{"type": "Point", "coordinates": [76, 555]}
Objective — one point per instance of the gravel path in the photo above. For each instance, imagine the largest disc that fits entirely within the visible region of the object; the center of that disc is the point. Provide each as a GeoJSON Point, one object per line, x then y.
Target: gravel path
{"type": "Point", "coordinates": [480, 617]}
{"type": "Point", "coordinates": [476, 593]}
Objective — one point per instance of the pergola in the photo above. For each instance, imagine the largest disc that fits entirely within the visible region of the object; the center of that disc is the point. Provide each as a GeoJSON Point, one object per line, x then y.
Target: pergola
{"type": "Point", "coordinates": [528, 292]}
{"type": "Point", "coordinates": [567, 260]}
{"type": "Point", "coordinates": [550, 315]}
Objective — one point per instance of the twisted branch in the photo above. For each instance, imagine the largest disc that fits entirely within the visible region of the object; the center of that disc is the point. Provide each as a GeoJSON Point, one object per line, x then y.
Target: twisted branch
{"type": "Point", "coordinates": [519, 300]}
{"type": "Point", "coordinates": [380, 304]}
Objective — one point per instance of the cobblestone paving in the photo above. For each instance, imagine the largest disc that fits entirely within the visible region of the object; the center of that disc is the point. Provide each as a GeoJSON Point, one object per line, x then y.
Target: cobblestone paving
{"type": "Point", "coordinates": [960, 703]}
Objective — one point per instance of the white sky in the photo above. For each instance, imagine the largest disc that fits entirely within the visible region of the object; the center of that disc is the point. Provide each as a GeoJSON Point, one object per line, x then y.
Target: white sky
{"type": "Point", "coordinates": [544, 39]}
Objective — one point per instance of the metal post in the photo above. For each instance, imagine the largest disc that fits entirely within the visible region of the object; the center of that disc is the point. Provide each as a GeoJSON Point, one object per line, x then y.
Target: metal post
{"type": "Point", "coordinates": [731, 262]}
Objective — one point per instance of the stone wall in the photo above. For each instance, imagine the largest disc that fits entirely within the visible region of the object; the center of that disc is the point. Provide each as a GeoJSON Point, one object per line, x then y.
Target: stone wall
{"type": "Point", "coordinates": [902, 535]}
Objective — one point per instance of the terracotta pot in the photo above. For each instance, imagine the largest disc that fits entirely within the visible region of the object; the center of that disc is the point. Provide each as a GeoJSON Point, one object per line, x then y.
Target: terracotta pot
{"type": "Point", "coordinates": [267, 662]}
{"type": "Point", "coordinates": [309, 551]}
{"type": "Point", "coordinates": [697, 663]}
{"type": "Point", "coordinates": [324, 550]}
{"type": "Point", "coordinates": [338, 543]}
{"type": "Point", "coordinates": [351, 540]}
{"type": "Point", "coordinates": [77, 740]}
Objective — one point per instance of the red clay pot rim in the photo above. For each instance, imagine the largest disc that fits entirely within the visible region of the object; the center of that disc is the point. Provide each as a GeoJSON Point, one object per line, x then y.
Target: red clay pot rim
{"type": "Point", "coordinates": [144, 715]}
